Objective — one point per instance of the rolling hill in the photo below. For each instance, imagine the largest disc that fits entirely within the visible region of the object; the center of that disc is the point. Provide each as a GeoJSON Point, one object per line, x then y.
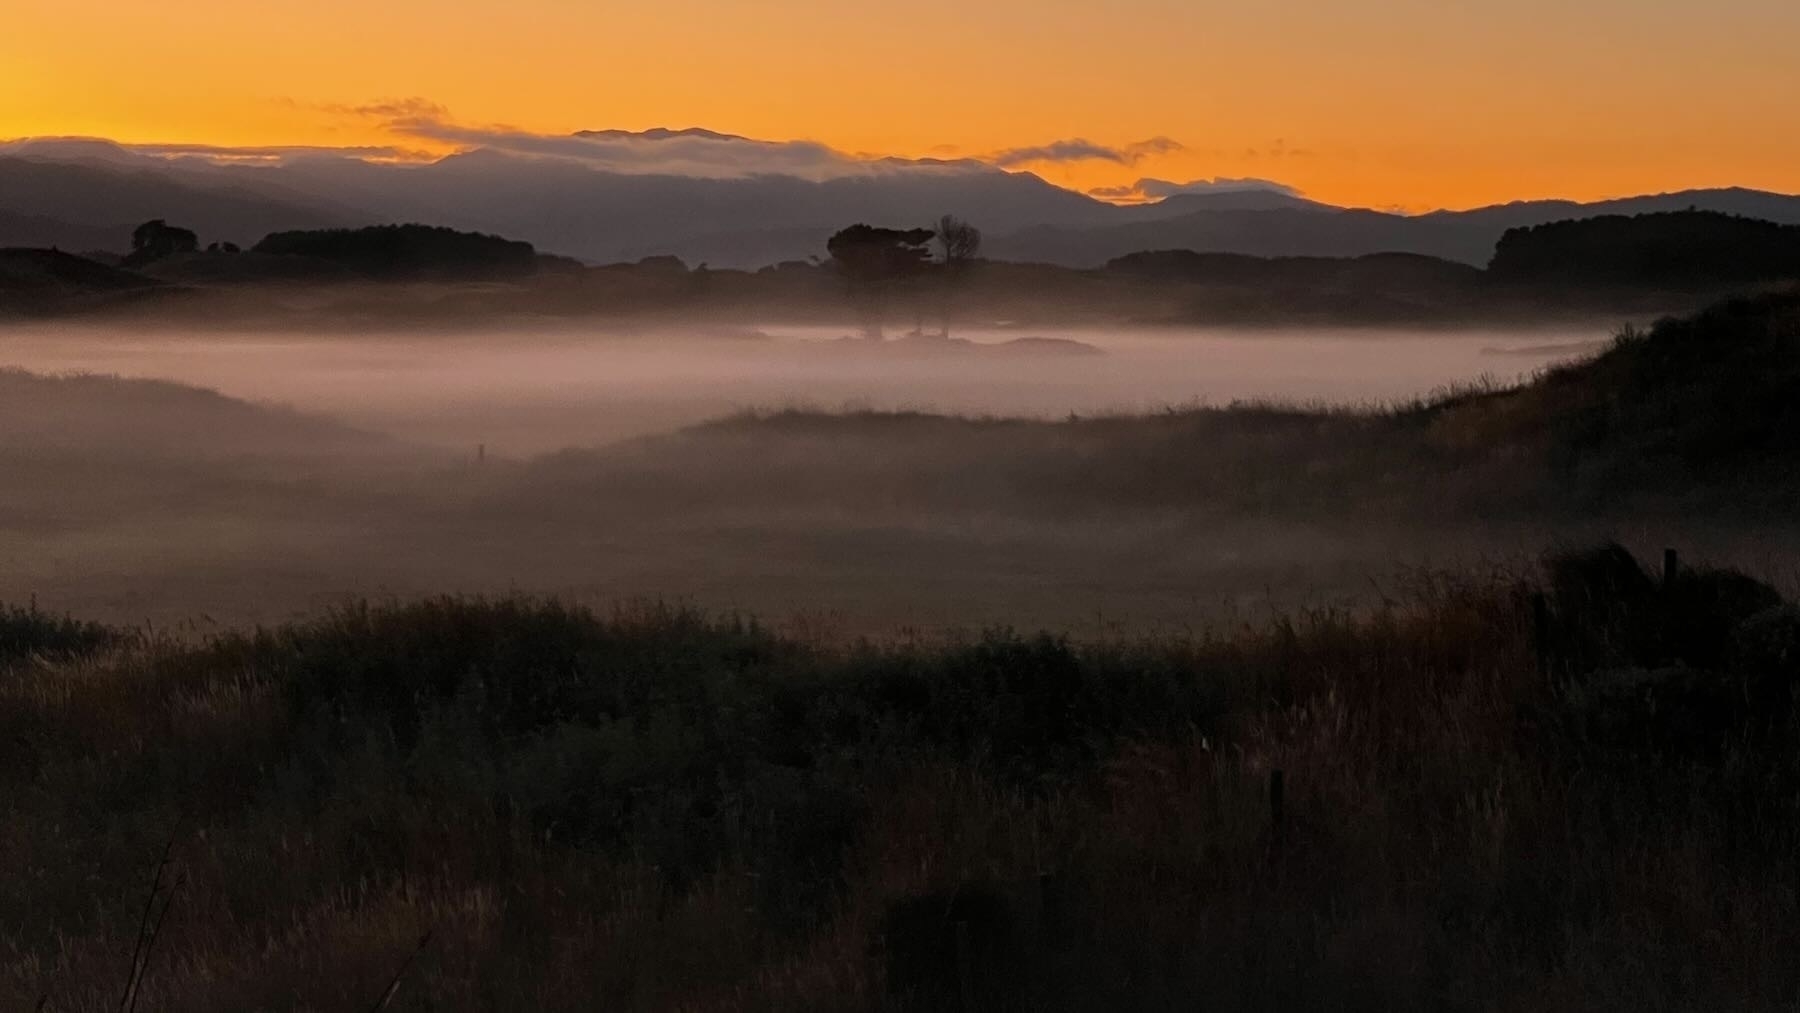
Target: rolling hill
{"type": "Point", "coordinates": [83, 195]}
{"type": "Point", "coordinates": [1698, 409]}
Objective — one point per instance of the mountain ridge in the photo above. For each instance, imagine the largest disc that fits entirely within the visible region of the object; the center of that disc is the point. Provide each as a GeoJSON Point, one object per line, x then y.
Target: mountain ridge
{"type": "Point", "coordinates": [73, 192]}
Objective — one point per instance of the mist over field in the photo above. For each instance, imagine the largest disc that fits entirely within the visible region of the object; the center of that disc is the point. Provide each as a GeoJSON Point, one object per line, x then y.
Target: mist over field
{"type": "Point", "coordinates": [525, 392]}
{"type": "Point", "coordinates": [739, 668]}
{"type": "Point", "coordinates": [656, 464]}
{"type": "Point", "coordinates": [1042, 507]}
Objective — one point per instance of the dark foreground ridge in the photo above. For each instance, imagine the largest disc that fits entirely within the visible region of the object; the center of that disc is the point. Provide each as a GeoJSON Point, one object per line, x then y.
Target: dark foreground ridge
{"type": "Point", "coordinates": [1695, 414]}
{"type": "Point", "coordinates": [1573, 792]}
{"type": "Point", "coordinates": [89, 194]}
{"type": "Point", "coordinates": [412, 275]}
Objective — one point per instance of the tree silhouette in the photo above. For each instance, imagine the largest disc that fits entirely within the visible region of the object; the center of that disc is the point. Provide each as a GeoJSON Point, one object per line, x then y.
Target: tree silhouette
{"type": "Point", "coordinates": [156, 239]}
{"type": "Point", "coordinates": [1672, 249]}
{"type": "Point", "coordinates": [411, 251]}
{"type": "Point", "coordinates": [874, 260]}
{"type": "Point", "coordinates": [960, 244]}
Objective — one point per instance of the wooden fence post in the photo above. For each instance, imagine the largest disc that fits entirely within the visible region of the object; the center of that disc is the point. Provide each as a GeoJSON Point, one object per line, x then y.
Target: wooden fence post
{"type": "Point", "coordinates": [1050, 913]}
{"type": "Point", "coordinates": [965, 969]}
{"type": "Point", "coordinates": [1540, 631]}
{"type": "Point", "coordinates": [1277, 802]}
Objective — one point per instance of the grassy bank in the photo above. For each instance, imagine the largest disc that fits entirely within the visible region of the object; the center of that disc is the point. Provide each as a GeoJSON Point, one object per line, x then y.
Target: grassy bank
{"type": "Point", "coordinates": [1695, 416]}
{"type": "Point", "coordinates": [512, 804]}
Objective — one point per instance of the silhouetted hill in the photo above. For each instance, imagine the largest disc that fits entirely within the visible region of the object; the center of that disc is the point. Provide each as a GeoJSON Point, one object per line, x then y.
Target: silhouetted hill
{"type": "Point", "coordinates": [1371, 270]}
{"type": "Point", "coordinates": [31, 230]}
{"type": "Point", "coordinates": [1250, 199]}
{"type": "Point", "coordinates": [47, 417]}
{"type": "Point", "coordinates": [34, 269]}
{"type": "Point", "coordinates": [1277, 232]}
{"type": "Point", "coordinates": [606, 217]}
{"type": "Point", "coordinates": [100, 203]}
{"type": "Point", "coordinates": [1698, 413]}
{"type": "Point", "coordinates": [36, 281]}
{"type": "Point", "coordinates": [407, 251]}
{"type": "Point", "coordinates": [1393, 287]}
{"type": "Point", "coordinates": [247, 267]}
{"type": "Point", "coordinates": [1676, 250]}
{"type": "Point", "coordinates": [1706, 401]}
{"type": "Point", "coordinates": [744, 221]}
{"type": "Point", "coordinates": [1780, 208]}
{"type": "Point", "coordinates": [1319, 230]}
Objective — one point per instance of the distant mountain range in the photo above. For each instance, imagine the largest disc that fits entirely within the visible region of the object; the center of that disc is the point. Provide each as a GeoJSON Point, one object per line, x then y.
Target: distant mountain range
{"type": "Point", "coordinates": [86, 195]}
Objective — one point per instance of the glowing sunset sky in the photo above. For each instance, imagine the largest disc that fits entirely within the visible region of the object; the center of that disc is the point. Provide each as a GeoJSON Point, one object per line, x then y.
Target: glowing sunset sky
{"type": "Point", "coordinates": [1416, 103]}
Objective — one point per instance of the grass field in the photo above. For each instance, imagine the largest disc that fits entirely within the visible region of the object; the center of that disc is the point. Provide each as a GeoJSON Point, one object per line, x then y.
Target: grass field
{"type": "Point", "coordinates": [510, 804]}
{"type": "Point", "coordinates": [1572, 784]}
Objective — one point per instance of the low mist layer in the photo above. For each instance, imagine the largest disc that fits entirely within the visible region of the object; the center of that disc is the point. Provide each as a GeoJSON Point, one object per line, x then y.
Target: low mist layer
{"type": "Point", "coordinates": [523, 392]}
{"type": "Point", "coordinates": [872, 521]}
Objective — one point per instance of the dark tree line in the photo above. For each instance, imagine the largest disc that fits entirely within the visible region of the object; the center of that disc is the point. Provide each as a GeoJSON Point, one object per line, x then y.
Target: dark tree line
{"type": "Point", "coordinates": [1677, 249]}
{"type": "Point", "coordinates": [400, 251]}
{"type": "Point", "coordinates": [157, 239]}
{"type": "Point", "coordinates": [879, 264]}
{"type": "Point", "coordinates": [380, 251]}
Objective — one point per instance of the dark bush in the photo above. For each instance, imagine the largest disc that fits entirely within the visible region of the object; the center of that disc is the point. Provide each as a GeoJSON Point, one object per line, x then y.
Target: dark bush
{"type": "Point", "coordinates": [1603, 603]}
{"type": "Point", "coordinates": [976, 936]}
{"type": "Point", "coordinates": [407, 251]}
{"type": "Point", "coordinates": [1765, 650]}
{"type": "Point", "coordinates": [26, 632]}
{"type": "Point", "coordinates": [1609, 613]}
{"type": "Point", "coordinates": [1700, 610]}
{"type": "Point", "coordinates": [1677, 249]}
{"type": "Point", "coordinates": [1673, 711]}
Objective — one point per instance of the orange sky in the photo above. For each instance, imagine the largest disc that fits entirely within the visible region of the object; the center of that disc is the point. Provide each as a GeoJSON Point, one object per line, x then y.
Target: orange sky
{"type": "Point", "coordinates": [1379, 103]}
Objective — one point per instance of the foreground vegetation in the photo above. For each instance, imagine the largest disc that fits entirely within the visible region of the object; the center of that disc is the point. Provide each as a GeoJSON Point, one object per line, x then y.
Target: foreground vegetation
{"type": "Point", "coordinates": [1571, 789]}
{"type": "Point", "coordinates": [405, 277]}
{"type": "Point", "coordinates": [1694, 417]}
{"type": "Point", "coordinates": [1568, 791]}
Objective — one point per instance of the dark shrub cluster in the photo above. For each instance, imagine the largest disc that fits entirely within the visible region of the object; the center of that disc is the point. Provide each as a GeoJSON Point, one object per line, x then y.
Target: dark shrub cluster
{"type": "Point", "coordinates": [26, 632]}
{"type": "Point", "coordinates": [1704, 393]}
{"type": "Point", "coordinates": [407, 251]}
{"type": "Point", "coordinates": [1688, 663]}
{"type": "Point", "coordinates": [653, 810]}
{"type": "Point", "coordinates": [684, 740]}
{"type": "Point", "coordinates": [1674, 249]}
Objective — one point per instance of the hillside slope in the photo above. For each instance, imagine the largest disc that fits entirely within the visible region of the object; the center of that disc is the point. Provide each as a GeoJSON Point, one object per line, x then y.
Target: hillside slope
{"type": "Point", "coordinates": [88, 416]}
{"type": "Point", "coordinates": [1703, 409]}
{"type": "Point", "coordinates": [745, 222]}
{"type": "Point", "coordinates": [40, 281]}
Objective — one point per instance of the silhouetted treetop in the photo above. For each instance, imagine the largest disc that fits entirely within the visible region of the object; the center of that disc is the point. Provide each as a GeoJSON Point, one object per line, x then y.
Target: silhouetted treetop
{"type": "Point", "coordinates": [866, 253]}
{"type": "Point", "coordinates": [399, 251]}
{"type": "Point", "coordinates": [874, 261]}
{"type": "Point", "coordinates": [1676, 249]}
{"type": "Point", "coordinates": [959, 241]}
{"type": "Point", "coordinates": [156, 239]}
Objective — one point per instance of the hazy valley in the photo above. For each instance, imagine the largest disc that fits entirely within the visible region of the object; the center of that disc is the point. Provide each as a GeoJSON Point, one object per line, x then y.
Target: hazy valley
{"type": "Point", "coordinates": [488, 568]}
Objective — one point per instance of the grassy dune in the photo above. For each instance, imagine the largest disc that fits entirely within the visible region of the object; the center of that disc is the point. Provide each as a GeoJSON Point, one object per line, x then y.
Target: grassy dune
{"type": "Point", "coordinates": [1696, 413]}
{"type": "Point", "coordinates": [511, 804]}
{"type": "Point", "coordinates": [1570, 788]}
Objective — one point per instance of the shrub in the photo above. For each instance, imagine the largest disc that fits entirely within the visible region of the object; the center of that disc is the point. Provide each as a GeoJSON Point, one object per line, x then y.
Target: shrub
{"type": "Point", "coordinates": [26, 632]}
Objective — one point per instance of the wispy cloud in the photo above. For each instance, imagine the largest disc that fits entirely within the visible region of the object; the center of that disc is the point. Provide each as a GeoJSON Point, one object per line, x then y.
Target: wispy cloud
{"type": "Point", "coordinates": [1278, 148]}
{"type": "Point", "coordinates": [388, 108]}
{"type": "Point", "coordinates": [280, 153]}
{"type": "Point", "coordinates": [673, 152]}
{"type": "Point", "coordinates": [1160, 189]}
{"type": "Point", "coordinates": [99, 149]}
{"type": "Point", "coordinates": [1080, 149]}
{"type": "Point", "coordinates": [1154, 146]}
{"type": "Point", "coordinates": [423, 129]}
{"type": "Point", "coordinates": [686, 152]}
